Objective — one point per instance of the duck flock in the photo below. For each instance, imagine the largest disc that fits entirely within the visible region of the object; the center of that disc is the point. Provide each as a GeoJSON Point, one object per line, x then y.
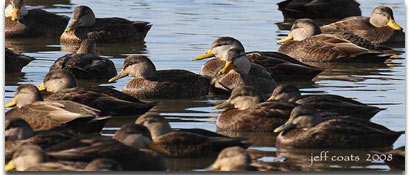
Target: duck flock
{"type": "Point", "coordinates": [55, 126]}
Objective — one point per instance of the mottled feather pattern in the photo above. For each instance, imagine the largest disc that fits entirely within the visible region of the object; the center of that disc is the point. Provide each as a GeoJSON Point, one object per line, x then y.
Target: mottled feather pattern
{"type": "Point", "coordinates": [36, 23]}
{"type": "Point", "coordinates": [109, 30]}
{"type": "Point", "coordinates": [168, 84]}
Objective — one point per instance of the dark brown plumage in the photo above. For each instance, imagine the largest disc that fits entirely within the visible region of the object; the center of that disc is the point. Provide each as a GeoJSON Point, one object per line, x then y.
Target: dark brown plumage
{"type": "Point", "coordinates": [398, 161]}
{"type": "Point", "coordinates": [15, 62]}
{"type": "Point", "coordinates": [246, 112]}
{"type": "Point", "coordinates": [62, 85]}
{"type": "Point", "coordinates": [103, 30]}
{"type": "Point", "coordinates": [319, 9]}
{"type": "Point", "coordinates": [43, 115]}
{"type": "Point", "coordinates": [330, 103]}
{"type": "Point", "coordinates": [281, 67]}
{"type": "Point", "coordinates": [128, 148]}
{"type": "Point", "coordinates": [187, 143]}
{"type": "Point", "coordinates": [86, 63]}
{"type": "Point", "coordinates": [148, 83]}
{"type": "Point", "coordinates": [306, 43]}
{"type": "Point", "coordinates": [33, 23]}
{"type": "Point", "coordinates": [375, 29]}
{"type": "Point", "coordinates": [306, 129]}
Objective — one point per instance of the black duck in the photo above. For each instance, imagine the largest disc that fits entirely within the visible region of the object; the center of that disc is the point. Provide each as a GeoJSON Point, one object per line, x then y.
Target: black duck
{"type": "Point", "coordinates": [15, 62]}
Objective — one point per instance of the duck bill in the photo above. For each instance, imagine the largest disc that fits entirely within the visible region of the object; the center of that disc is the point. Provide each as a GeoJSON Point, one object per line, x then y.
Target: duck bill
{"type": "Point", "coordinates": [393, 24]}
{"type": "Point", "coordinates": [42, 87]}
{"type": "Point", "coordinates": [72, 26]}
{"type": "Point", "coordinates": [285, 127]}
{"type": "Point", "coordinates": [207, 54]}
{"type": "Point", "coordinates": [272, 98]}
{"type": "Point", "coordinates": [10, 166]}
{"type": "Point", "coordinates": [228, 67]}
{"type": "Point", "coordinates": [11, 104]}
{"type": "Point", "coordinates": [15, 14]}
{"type": "Point", "coordinates": [157, 148]}
{"type": "Point", "coordinates": [224, 105]}
{"type": "Point", "coordinates": [122, 74]}
{"type": "Point", "coordinates": [287, 38]}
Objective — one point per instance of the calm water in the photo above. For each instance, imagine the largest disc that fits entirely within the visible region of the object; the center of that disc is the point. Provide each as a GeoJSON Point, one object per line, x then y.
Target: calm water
{"type": "Point", "coordinates": [184, 29]}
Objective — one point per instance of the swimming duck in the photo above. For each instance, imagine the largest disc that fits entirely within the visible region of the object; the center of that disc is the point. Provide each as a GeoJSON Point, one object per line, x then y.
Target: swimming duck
{"type": "Point", "coordinates": [306, 43]}
{"type": "Point", "coordinates": [86, 63]}
{"type": "Point", "coordinates": [21, 22]}
{"type": "Point", "coordinates": [246, 111]}
{"type": "Point", "coordinates": [18, 132]}
{"type": "Point", "coordinates": [186, 142]}
{"type": "Point", "coordinates": [148, 83]}
{"type": "Point", "coordinates": [330, 103]}
{"type": "Point", "coordinates": [131, 147]}
{"type": "Point", "coordinates": [306, 129]}
{"type": "Point", "coordinates": [319, 9]}
{"type": "Point", "coordinates": [281, 67]}
{"type": "Point", "coordinates": [84, 25]}
{"type": "Point", "coordinates": [62, 85]}
{"type": "Point", "coordinates": [42, 115]}
{"type": "Point", "coordinates": [15, 62]}
{"type": "Point", "coordinates": [237, 159]}
{"type": "Point", "coordinates": [34, 158]}
{"type": "Point", "coordinates": [380, 28]}
{"type": "Point", "coordinates": [237, 73]}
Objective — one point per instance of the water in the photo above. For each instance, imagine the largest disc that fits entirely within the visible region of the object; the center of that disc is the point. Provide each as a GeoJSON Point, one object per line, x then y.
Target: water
{"type": "Point", "coordinates": [184, 29]}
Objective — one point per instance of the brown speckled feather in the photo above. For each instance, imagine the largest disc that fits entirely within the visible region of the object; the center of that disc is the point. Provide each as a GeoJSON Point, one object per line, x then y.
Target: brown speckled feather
{"type": "Point", "coordinates": [109, 30]}
{"type": "Point", "coordinates": [15, 62]}
{"type": "Point", "coordinates": [107, 104]}
{"type": "Point", "coordinates": [36, 23]}
{"type": "Point", "coordinates": [264, 117]}
{"type": "Point", "coordinates": [328, 48]}
{"type": "Point", "coordinates": [398, 162]}
{"type": "Point", "coordinates": [86, 66]}
{"type": "Point", "coordinates": [339, 133]}
{"type": "Point", "coordinates": [361, 26]}
{"type": "Point", "coordinates": [188, 144]}
{"type": "Point", "coordinates": [104, 147]}
{"type": "Point", "coordinates": [169, 84]}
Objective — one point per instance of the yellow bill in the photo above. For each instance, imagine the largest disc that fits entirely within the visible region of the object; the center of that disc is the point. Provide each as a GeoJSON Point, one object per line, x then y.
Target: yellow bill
{"type": "Point", "coordinates": [287, 38]}
{"type": "Point", "coordinates": [71, 26]}
{"type": "Point", "coordinates": [12, 103]}
{"type": "Point", "coordinates": [207, 54]}
{"type": "Point", "coordinates": [15, 14]}
{"type": "Point", "coordinates": [122, 74]}
{"type": "Point", "coordinates": [228, 67]}
{"type": "Point", "coordinates": [10, 166]}
{"type": "Point", "coordinates": [284, 127]}
{"type": "Point", "coordinates": [42, 87]}
{"type": "Point", "coordinates": [223, 105]}
{"type": "Point", "coordinates": [157, 148]}
{"type": "Point", "coordinates": [393, 24]}
{"type": "Point", "coordinates": [271, 98]}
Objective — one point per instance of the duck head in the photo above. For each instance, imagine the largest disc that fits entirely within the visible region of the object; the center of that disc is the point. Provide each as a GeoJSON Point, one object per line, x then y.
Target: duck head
{"type": "Point", "coordinates": [285, 92]}
{"type": "Point", "coordinates": [219, 48]}
{"type": "Point", "coordinates": [57, 80]}
{"type": "Point", "coordinates": [155, 123]}
{"type": "Point", "coordinates": [16, 10]}
{"type": "Point", "coordinates": [235, 59]}
{"type": "Point", "coordinates": [300, 117]}
{"type": "Point", "coordinates": [383, 16]}
{"type": "Point", "coordinates": [302, 29]}
{"type": "Point", "coordinates": [25, 95]}
{"type": "Point", "coordinates": [137, 66]}
{"type": "Point", "coordinates": [137, 136]}
{"type": "Point", "coordinates": [82, 16]}
{"type": "Point", "coordinates": [231, 159]}
{"type": "Point", "coordinates": [26, 156]}
{"type": "Point", "coordinates": [17, 129]}
{"type": "Point", "coordinates": [241, 98]}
